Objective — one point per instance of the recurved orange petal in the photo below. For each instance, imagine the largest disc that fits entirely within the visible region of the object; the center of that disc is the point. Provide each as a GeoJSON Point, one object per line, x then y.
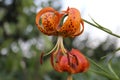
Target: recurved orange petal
{"type": "Point", "coordinates": [75, 63]}
{"type": "Point", "coordinates": [72, 26]}
{"type": "Point", "coordinates": [83, 63]}
{"type": "Point", "coordinates": [47, 20]}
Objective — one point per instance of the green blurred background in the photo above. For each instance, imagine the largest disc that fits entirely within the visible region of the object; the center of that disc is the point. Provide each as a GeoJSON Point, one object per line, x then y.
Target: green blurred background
{"type": "Point", "coordinates": [21, 44]}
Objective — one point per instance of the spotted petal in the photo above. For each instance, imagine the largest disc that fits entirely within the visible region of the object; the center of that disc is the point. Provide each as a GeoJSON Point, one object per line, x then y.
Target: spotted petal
{"type": "Point", "coordinates": [47, 21]}
{"type": "Point", "coordinates": [73, 26]}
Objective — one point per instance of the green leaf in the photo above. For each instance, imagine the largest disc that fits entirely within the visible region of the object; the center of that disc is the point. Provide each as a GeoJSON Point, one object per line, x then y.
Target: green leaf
{"type": "Point", "coordinates": [95, 24]}
{"type": "Point", "coordinates": [101, 26]}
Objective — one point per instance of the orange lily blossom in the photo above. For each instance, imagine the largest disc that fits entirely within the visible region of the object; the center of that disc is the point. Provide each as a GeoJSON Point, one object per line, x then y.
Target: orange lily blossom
{"type": "Point", "coordinates": [51, 22]}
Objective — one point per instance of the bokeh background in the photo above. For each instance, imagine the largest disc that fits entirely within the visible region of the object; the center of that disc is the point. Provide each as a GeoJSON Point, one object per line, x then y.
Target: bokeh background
{"type": "Point", "coordinates": [21, 44]}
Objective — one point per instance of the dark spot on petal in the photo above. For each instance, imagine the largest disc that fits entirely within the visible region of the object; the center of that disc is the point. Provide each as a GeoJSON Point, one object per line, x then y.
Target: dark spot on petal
{"type": "Point", "coordinates": [69, 26]}
{"type": "Point", "coordinates": [74, 17]}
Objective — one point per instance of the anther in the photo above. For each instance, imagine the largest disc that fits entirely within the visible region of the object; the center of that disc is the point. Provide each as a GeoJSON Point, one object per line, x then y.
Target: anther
{"type": "Point", "coordinates": [41, 58]}
{"type": "Point", "coordinates": [76, 59]}
{"type": "Point", "coordinates": [68, 57]}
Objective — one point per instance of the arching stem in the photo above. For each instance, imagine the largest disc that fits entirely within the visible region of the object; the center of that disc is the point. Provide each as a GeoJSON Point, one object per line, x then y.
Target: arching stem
{"type": "Point", "coordinates": [101, 28]}
{"type": "Point", "coordinates": [69, 77]}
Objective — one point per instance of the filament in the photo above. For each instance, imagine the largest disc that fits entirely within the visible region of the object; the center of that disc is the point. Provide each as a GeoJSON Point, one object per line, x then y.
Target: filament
{"type": "Point", "coordinates": [56, 46]}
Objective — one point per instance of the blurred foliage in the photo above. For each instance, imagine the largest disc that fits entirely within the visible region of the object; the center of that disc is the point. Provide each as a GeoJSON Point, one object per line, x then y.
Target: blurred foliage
{"type": "Point", "coordinates": [21, 44]}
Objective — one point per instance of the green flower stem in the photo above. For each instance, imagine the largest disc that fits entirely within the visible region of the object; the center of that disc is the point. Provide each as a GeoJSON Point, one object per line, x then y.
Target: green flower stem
{"type": "Point", "coordinates": [98, 65]}
{"type": "Point", "coordinates": [101, 27]}
{"type": "Point", "coordinates": [109, 64]}
{"type": "Point", "coordinates": [104, 74]}
{"type": "Point", "coordinates": [69, 77]}
{"type": "Point", "coordinates": [110, 68]}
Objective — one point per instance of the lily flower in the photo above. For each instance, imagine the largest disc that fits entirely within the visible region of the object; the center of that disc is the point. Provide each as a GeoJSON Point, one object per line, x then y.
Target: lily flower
{"type": "Point", "coordinates": [51, 22]}
{"type": "Point", "coordinates": [63, 24]}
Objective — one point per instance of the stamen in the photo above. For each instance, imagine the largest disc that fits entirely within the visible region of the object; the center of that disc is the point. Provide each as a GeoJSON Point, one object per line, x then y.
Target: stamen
{"type": "Point", "coordinates": [56, 46]}
{"type": "Point", "coordinates": [76, 59]}
{"type": "Point", "coordinates": [68, 57]}
{"type": "Point", "coordinates": [62, 46]}
{"type": "Point", "coordinates": [58, 56]}
{"type": "Point", "coordinates": [54, 51]}
{"type": "Point", "coordinates": [52, 60]}
{"type": "Point", "coordinates": [41, 58]}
